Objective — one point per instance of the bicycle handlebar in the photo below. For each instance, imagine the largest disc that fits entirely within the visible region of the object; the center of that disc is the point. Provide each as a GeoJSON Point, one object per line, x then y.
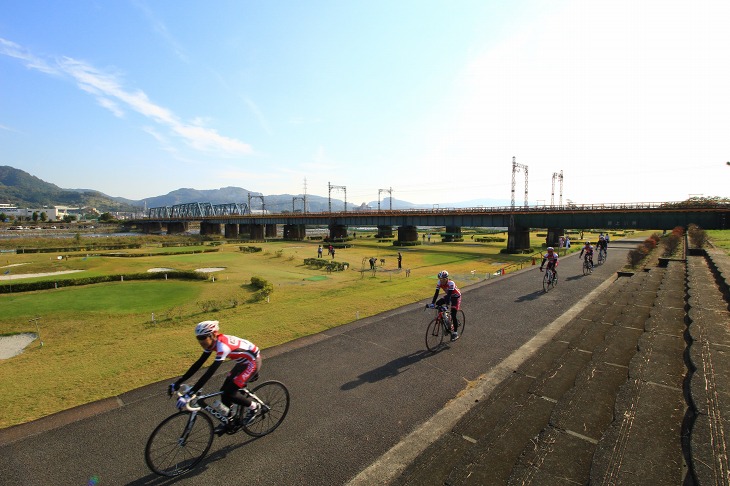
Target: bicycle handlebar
{"type": "Point", "coordinates": [187, 404]}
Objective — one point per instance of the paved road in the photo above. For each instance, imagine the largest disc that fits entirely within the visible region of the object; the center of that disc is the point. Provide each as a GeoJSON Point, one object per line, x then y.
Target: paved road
{"type": "Point", "coordinates": [357, 391]}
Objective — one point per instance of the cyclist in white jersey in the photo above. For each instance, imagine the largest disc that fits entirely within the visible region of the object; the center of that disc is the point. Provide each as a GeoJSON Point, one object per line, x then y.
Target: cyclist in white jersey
{"type": "Point", "coordinates": [248, 362]}
{"type": "Point", "coordinates": [453, 297]}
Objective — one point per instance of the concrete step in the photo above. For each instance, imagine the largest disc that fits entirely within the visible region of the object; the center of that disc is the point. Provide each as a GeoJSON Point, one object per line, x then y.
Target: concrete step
{"type": "Point", "coordinates": [643, 444]}
{"type": "Point", "coordinates": [709, 353]}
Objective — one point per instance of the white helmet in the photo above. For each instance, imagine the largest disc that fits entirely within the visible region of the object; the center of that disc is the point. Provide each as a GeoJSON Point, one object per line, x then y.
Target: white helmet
{"type": "Point", "coordinates": [443, 274]}
{"type": "Point", "coordinates": [550, 248]}
{"type": "Point", "coordinates": [206, 328]}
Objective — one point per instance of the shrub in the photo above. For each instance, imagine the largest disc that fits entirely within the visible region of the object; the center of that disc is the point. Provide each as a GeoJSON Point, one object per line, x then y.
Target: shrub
{"type": "Point", "coordinates": [265, 288]}
{"type": "Point", "coordinates": [636, 255]}
{"type": "Point", "coordinates": [697, 236]}
{"type": "Point", "coordinates": [671, 243]}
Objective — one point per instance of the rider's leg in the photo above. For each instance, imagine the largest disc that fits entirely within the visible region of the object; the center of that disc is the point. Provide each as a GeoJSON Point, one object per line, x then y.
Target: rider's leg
{"type": "Point", "coordinates": [455, 311]}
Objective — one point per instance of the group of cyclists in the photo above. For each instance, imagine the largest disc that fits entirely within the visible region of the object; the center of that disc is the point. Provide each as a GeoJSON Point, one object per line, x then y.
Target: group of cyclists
{"type": "Point", "coordinates": [551, 257]}
{"type": "Point", "coordinates": [248, 356]}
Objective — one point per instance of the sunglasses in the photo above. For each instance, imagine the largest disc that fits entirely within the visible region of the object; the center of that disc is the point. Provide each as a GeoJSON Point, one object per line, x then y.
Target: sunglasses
{"type": "Point", "coordinates": [203, 338]}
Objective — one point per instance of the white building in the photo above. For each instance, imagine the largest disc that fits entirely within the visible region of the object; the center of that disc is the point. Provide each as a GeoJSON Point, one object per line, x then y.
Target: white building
{"type": "Point", "coordinates": [53, 213]}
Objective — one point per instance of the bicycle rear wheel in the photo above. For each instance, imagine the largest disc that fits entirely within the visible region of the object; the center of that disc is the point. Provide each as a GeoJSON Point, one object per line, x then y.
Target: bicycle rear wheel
{"type": "Point", "coordinates": [434, 335]}
{"type": "Point", "coordinates": [276, 405]}
{"type": "Point", "coordinates": [179, 443]}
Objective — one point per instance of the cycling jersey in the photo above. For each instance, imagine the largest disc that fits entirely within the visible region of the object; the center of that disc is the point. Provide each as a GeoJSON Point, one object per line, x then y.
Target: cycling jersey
{"type": "Point", "coordinates": [551, 259]}
{"type": "Point", "coordinates": [453, 295]}
{"type": "Point", "coordinates": [243, 352]}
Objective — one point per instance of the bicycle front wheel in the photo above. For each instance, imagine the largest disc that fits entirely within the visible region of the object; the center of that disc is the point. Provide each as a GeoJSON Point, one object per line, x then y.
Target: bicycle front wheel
{"type": "Point", "coordinates": [179, 443]}
{"type": "Point", "coordinates": [434, 335]}
{"type": "Point", "coordinates": [276, 405]}
{"type": "Point", "coordinates": [586, 268]}
{"type": "Point", "coordinates": [546, 282]}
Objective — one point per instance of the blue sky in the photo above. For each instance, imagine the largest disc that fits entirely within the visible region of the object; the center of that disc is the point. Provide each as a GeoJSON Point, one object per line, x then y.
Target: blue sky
{"type": "Point", "coordinates": [430, 98]}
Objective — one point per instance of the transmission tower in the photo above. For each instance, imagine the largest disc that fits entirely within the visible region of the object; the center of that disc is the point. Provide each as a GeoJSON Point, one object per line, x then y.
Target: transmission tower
{"type": "Point", "coordinates": [329, 197]}
{"type": "Point", "coordinates": [552, 196]}
{"type": "Point", "coordinates": [515, 169]}
{"type": "Point", "coordinates": [390, 192]}
{"type": "Point", "coordinates": [263, 205]}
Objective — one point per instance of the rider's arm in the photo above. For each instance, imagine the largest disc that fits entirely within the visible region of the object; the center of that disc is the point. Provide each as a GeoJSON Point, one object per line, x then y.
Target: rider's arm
{"type": "Point", "coordinates": [193, 369]}
{"type": "Point", "coordinates": [543, 262]}
{"type": "Point", "coordinates": [435, 296]}
{"type": "Point", "coordinates": [206, 376]}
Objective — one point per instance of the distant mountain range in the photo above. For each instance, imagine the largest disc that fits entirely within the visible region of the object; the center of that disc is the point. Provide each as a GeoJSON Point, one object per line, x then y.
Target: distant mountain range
{"type": "Point", "coordinates": [19, 188]}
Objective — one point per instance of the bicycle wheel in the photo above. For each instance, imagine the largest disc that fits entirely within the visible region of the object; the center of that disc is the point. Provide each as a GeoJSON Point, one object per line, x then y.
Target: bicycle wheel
{"type": "Point", "coordinates": [586, 267]}
{"type": "Point", "coordinates": [462, 321]}
{"type": "Point", "coordinates": [276, 405]}
{"type": "Point", "coordinates": [546, 281]}
{"type": "Point", "coordinates": [434, 334]}
{"type": "Point", "coordinates": [179, 443]}
{"type": "Point", "coordinates": [600, 257]}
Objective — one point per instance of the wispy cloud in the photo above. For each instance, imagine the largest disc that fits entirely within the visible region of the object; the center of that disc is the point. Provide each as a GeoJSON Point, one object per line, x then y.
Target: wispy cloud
{"type": "Point", "coordinates": [111, 93]}
{"type": "Point", "coordinates": [161, 29]}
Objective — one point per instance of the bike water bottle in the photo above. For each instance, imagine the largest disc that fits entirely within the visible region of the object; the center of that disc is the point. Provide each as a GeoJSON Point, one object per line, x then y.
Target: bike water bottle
{"type": "Point", "coordinates": [218, 405]}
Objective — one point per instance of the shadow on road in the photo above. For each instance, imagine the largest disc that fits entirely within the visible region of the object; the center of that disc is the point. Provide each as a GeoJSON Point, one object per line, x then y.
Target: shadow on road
{"type": "Point", "coordinates": [534, 295]}
{"type": "Point", "coordinates": [390, 369]}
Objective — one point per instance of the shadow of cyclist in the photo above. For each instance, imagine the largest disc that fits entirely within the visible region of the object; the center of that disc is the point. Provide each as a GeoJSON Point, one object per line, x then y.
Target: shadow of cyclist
{"type": "Point", "coordinates": [388, 370]}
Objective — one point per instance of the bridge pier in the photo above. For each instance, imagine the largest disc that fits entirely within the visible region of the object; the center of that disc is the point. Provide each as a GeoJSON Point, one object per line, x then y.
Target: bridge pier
{"type": "Point", "coordinates": [231, 231]}
{"type": "Point", "coordinates": [257, 231]}
{"type": "Point", "coordinates": [294, 232]}
{"type": "Point", "coordinates": [518, 239]}
{"type": "Point", "coordinates": [176, 228]}
{"type": "Point", "coordinates": [271, 231]}
{"type": "Point", "coordinates": [407, 233]}
{"type": "Point", "coordinates": [210, 228]}
{"type": "Point", "coordinates": [553, 236]}
{"type": "Point", "coordinates": [384, 231]}
{"type": "Point", "coordinates": [453, 233]}
{"type": "Point", "coordinates": [152, 227]}
{"type": "Point", "coordinates": [338, 231]}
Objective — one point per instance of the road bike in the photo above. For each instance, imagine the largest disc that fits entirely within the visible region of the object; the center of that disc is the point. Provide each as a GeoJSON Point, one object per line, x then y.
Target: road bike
{"type": "Point", "coordinates": [183, 439]}
{"type": "Point", "coordinates": [602, 256]}
{"type": "Point", "coordinates": [440, 326]}
{"type": "Point", "coordinates": [587, 266]}
{"type": "Point", "coordinates": [549, 280]}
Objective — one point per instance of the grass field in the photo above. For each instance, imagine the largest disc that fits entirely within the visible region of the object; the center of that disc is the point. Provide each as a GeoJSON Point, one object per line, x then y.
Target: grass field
{"type": "Point", "coordinates": [101, 340]}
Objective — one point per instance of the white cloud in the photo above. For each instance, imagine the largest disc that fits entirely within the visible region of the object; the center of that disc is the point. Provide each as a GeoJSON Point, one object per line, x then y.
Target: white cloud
{"type": "Point", "coordinates": [111, 94]}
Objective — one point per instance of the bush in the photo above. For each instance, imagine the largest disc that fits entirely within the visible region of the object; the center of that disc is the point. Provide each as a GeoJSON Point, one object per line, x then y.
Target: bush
{"type": "Point", "coordinates": [636, 255]}
{"type": "Point", "coordinates": [250, 249]}
{"type": "Point", "coordinates": [265, 288]}
{"type": "Point", "coordinates": [671, 243]}
{"type": "Point", "coordinates": [697, 236]}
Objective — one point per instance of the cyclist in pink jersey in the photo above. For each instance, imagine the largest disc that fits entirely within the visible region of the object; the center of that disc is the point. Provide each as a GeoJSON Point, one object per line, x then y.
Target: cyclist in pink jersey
{"type": "Point", "coordinates": [248, 362]}
{"type": "Point", "coordinates": [551, 257]}
{"type": "Point", "coordinates": [453, 297]}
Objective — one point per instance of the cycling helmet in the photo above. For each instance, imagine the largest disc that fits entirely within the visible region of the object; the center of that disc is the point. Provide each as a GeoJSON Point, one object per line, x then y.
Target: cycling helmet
{"type": "Point", "coordinates": [601, 237]}
{"type": "Point", "coordinates": [443, 274]}
{"type": "Point", "coordinates": [588, 242]}
{"type": "Point", "coordinates": [550, 248]}
{"type": "Point", "coordinates": [206, 328]}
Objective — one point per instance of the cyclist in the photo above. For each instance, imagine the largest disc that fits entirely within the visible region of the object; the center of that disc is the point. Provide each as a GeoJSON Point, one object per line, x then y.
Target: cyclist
{"type": "Point", "coordinates": [453, 296]}
{"type": "Point", "coordinates": [602, 244]}
{"type": "Point", "coordinates": [248, 363]}
{"type": "Point", "coordinates": [588, 249]}
{"type": "Point", "coordinates": [551, 257]}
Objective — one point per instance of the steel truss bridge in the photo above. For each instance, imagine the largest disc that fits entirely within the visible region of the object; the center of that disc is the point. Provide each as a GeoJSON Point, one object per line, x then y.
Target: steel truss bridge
{"type": "Point", "coordinates": [651, 215]}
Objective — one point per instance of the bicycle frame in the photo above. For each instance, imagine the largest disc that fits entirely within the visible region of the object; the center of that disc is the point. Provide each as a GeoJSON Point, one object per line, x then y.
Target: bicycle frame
{"type": "Point", "coordinates": [214, 412]}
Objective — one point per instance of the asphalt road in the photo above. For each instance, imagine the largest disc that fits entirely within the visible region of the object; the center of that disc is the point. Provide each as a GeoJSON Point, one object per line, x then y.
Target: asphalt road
{"type": "Point", "coordinates": [356, 392]}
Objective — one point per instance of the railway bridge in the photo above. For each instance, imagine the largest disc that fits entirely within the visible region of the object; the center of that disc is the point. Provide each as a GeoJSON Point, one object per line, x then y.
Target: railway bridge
{"type": "Point", "coordinates": [234, 219]}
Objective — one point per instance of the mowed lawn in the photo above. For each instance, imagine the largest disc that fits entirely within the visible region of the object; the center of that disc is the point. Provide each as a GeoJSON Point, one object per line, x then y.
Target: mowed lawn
{"type": "Point", "coordinates": [104, 339]}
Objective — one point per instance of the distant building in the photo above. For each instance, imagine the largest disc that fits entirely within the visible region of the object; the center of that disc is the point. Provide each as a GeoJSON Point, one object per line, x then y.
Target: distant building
{"type": "Point", "coordinates": [53, 213]}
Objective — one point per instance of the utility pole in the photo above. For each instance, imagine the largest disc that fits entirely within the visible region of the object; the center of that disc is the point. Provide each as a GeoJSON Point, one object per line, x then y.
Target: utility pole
{"type": "Point", "coordinates": [515, 169]}
{"type": "Point", "coordinates": [329, 197]}
{"type": "Point", "coordinates": [390, 192]}
{"type": "Point", "coordinates": [552, 196]}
